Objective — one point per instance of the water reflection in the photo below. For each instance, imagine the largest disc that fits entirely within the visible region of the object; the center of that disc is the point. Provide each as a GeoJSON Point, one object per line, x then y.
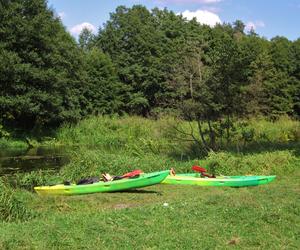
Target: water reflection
{"type": "Point", "coordinates": [26, 160]}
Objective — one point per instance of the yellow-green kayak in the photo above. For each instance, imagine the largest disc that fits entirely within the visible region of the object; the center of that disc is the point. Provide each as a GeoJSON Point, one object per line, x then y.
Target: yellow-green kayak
{"type": "Point", "coordinates": [229, 181]}
{"type": "Point", "coordinates": [111, 186]}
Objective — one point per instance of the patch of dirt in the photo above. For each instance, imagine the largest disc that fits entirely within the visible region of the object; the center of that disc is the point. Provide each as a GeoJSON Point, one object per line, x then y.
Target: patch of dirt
{"type": "Point", "coordinates": [234, 241]}
{"type": "Point", "coordinates": [123, 206]}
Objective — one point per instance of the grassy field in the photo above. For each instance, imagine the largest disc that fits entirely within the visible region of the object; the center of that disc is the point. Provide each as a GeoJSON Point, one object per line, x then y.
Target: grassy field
{"type": "Point", "coordinates": [161, 216]}
{"type": "Point", "coordinates": [164, 217]}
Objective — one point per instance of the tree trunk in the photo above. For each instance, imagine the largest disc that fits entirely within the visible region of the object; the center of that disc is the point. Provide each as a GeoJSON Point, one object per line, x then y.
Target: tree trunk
{"type": "Point", "coordinates": [212, 136]}
{"type": "Point", "coordinates": [206, 146]}
{"type": "Point", "coordinates": [191, 85]}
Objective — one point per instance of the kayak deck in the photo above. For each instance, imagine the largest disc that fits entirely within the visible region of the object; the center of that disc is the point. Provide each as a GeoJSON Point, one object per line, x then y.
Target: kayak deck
{"type": "Point", "coordinates": [111, 186]}
{"type": "Point", "coordinates": [229, 181]}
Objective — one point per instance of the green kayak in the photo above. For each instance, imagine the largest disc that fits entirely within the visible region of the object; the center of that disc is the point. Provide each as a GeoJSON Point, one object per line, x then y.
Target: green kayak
{"type": "Point", "coordinates": [118, 185]}
{"type": "Point", "coordinates": [228, 181]}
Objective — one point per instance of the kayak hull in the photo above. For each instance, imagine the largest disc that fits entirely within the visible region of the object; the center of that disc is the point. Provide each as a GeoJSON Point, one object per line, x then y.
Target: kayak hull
{"type": "Point", "coordinates": [100, 187]}
{"type": "Point", "coordinates": [219, 181]}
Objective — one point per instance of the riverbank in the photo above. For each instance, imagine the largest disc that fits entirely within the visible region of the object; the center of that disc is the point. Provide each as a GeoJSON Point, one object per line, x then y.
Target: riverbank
{"type": "Point", "coordinates": [163, 216]}
{"type": "Point", "coordinates": [166, 216]}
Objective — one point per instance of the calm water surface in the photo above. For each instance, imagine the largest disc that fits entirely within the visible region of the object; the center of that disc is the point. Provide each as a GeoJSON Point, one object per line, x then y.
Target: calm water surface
{"type": "Point", "coordinates": [26, 160]}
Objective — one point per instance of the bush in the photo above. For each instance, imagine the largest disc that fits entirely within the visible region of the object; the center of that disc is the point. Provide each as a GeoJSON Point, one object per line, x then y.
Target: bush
{"type": "Point", "coordinates": [35, 178]}
{"type": "Point", "coordinates": [11, 208]}
{"type": "Point", "coordinates": [267, 163]}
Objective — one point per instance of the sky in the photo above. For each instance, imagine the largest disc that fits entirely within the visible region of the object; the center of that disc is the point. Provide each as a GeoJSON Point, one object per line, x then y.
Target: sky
{"type": "Point", "coordinates": [268, 18]}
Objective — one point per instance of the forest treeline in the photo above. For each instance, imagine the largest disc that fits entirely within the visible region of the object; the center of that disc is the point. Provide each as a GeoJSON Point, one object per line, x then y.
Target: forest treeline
{"type": "Point", "coordinates": [142, 62]}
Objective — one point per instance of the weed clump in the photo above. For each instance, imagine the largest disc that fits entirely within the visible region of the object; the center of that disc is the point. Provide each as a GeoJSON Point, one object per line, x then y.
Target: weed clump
{"type": "Point", "coordinates": [264, 163]}
{"type": "Point", "coordinates": [35, 178]}
{"type": "Point", "coordinates": [11, 208]}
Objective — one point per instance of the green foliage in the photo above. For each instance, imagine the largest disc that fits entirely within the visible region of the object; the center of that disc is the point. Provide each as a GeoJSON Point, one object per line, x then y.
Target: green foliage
{"type": "Point", "coordinates": [269, 163]}
{"type": "Point", "coordinates": [131, 134]}
{"type": "Point", "coordinates": [38, 59]}
{"type": "Point", "coordinates": [143, 46]}
{"type": "Point", "coordinates": [35, 178]}
{"type": "Point", "coordinates": [86, 39]}
{"type": "Point", "coordinates": [13, 143]}
{"type": "Point", "coordinates": [296, 76]}
{"type": "Point", "coordinates": [3, 132]}
{"type": "Point", "coordinates": [118, 145]}
{"type": "Point", "coordinates": [144, 62]}
{"type": "Point", "coordinates": [193, 61]}
{"type": "Point", "coordinates": [102, 90]}
{"type": "Point", "coordinates": [46, 79]}
{"type": "Point", "coordinates": [11, 208]}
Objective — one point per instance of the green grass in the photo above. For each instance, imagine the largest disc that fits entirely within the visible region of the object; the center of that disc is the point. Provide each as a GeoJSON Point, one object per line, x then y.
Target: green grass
{"type": "Point", "coordinates": [264, 217]}
{"type": "Point", "coordinates": [11, 207]}
{"type": "Point", "coordinates": [163, 216]}
{"type": "Point", "coordinates": [12, 143]}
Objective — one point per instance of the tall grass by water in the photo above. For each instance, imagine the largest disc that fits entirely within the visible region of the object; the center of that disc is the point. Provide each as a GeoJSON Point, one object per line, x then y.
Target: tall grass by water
{"type": "Point", "coordinates": [159, 136]}
{"type": "Point", "coordinates": [117, 145]}
{"type": "Point", "coordinates": [11, 207]}
{"type": "Point", "coordinates": [121, 144]}
{"type": "Point", "coordinates": [8, 142]}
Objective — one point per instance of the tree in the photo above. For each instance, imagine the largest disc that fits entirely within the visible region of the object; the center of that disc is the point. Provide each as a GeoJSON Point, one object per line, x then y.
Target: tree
{"type": "Point", "coordinates": [103, 91]}
{"type": "Point", "coordinates": [280, 90]}
{"type": "Point", "coordinates": [143, 45]}
{"type": "Point", "coordinates": [216, 86]}
{"type": "Point", "coordinates": [40, 67]}
{"type": "Point", "coordinates": [296, 76]}
{"type": "Point", "coordinates": [239, 26]}
{"type": "Point", "coordinates": [86, 39]}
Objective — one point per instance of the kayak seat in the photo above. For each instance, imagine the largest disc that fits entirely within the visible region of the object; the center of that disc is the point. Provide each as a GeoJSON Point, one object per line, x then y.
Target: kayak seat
{"type": "Point", "coordinates": [202, 171]}
{"type": "Point", "coordinates": [89, 180]}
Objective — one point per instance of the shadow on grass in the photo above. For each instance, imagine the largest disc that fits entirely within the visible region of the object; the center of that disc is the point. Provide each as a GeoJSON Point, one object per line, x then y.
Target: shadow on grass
{"type": "Point", "coordinates": [138, 191]}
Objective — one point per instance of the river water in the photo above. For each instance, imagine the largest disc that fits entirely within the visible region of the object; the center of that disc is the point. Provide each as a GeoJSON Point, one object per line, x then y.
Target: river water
{"type": "Point", "coordinates": [26, 160]}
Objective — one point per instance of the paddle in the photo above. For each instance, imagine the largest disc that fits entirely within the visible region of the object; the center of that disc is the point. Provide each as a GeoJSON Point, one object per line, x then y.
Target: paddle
{"type": "Point", "coordinates": [199, 169]}
{"type": "Point", "coordinates": [132, 173]}
{"type": "Point", "coordinates": [202, 171]}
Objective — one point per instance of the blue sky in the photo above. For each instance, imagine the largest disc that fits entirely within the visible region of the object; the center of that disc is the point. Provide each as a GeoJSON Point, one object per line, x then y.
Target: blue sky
{"type": "Point", "coordinates": [268, 17]}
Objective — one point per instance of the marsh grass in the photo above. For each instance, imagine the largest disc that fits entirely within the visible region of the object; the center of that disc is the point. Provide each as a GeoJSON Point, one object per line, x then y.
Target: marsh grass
{"type": "Point", "coordinates": [137, 136]}
{"type": "Point", "coordinates": [11, 207]}
{"type": "Point", "coordinates": [264, 163]}
{"type": "Point", "coordinates": [118, 145]}
{"type": "Point", "coordinates": [133, 135]}
{"type": "Point", "coordinates": [12, 143]}
{"type": "Point", "coordinates": [29, 180]}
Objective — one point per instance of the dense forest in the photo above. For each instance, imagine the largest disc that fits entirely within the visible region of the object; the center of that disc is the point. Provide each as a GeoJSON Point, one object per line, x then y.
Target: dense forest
{"type": "Point", "coordinates": [142, 62]}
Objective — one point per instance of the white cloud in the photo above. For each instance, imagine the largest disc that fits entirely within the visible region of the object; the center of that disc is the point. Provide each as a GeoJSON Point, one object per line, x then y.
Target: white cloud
{"type": "Point", "coordinates": [79, 27]}
{"type": "Point", "coordinates": [62, 15]}
{"type": "Point", "coordinates": [254, 25]}
{"type": "Point", "coordinates": [202, 16]}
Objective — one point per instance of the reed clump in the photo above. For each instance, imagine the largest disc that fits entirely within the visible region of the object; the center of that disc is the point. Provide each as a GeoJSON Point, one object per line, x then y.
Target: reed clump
{"type": "Point", "coordinates": [11, 207]}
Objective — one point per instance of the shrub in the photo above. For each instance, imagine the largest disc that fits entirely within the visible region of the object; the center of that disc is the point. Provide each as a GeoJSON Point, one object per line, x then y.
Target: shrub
{"type": "Point", "coordinates": [267, 163]}
{"type": "Point", "coordinates": [35, 178]}
{"type": "Point", "coordinates": [11, 208]}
